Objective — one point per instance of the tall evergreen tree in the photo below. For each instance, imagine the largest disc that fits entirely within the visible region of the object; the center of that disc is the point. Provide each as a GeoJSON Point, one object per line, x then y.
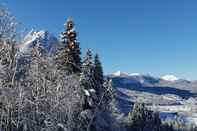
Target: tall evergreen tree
{"type": "Point", "coordinates": [108, 95]}
{"type": "Point", "coordinates": [137, 118]}
{"type": "Point", "coordinates": [86, 77]}
{"type": "Point", "coordinates": [88, 62]}
{"type": "Point", "coordinates": [98, 76]}
{"type": "Point", "coordinates": [68, 56]}
{"type": "Point", "coordinates": [87, 84]}
{"type": "Point", "coordinates": [98, 70]}
{"type": "Point", "coordinates": [88, 70]}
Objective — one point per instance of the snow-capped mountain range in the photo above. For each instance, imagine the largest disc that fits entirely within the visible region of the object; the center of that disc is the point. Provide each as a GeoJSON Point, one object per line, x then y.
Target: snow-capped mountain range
{"type": "Point", "coordinates": [38, 38]}
{"type": "Point", "coordinates": [168, 77]}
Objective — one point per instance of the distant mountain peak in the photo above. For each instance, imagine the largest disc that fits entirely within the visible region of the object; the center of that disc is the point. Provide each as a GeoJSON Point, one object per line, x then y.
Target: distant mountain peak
{"type": "Point", "coordinates": [170, 78]}
{"type": "Point", "coordinates": [42, 37]}
{"type": "Point", "coordinates": [134, 74]}
{"type": "Point", "coordinates": [119, 73]}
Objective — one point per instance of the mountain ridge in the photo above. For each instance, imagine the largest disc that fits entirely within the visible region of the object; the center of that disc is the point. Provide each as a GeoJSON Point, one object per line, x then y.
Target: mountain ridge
{"type": "Point", "coordinates": [42, 38]}
{"type": "Point", "coordinates": [167, 77]}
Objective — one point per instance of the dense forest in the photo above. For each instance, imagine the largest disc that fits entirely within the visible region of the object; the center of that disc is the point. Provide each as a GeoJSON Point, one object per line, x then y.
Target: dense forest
{"type": "Point", "coordinates": [60, 90]}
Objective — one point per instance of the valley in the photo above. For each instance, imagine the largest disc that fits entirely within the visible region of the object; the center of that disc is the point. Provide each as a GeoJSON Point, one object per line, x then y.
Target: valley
{"type": "Point", "coordinates": [173, 99]}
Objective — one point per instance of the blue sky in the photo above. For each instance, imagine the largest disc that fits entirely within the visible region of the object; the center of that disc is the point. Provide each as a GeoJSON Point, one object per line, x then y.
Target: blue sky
{"type": "Point", "coordinates": [155, 37]}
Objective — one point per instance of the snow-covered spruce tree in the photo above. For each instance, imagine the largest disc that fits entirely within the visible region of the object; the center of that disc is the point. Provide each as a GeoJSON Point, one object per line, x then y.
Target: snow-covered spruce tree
{"type": "Point", "coordinates": [88, 71]}
{"type": "Point", "coordinates": [103, 86]}
{"type": "Point", "coordinates": [137, 118]}
{"type": "Point", "coordinates": [98, 96]}
{"type": "Point", "coordinates": [108, 95]}
{"type": "Point", "coordinates": [87, 84]}
{"type": "Point", "coordinates": [98, 70]}
{"type": "Point", "coordinates": [87, 74]}
{"type": "Point", "coordinates": [98, 76]}
{"type": "Point", "coordinates": [68, 55]}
